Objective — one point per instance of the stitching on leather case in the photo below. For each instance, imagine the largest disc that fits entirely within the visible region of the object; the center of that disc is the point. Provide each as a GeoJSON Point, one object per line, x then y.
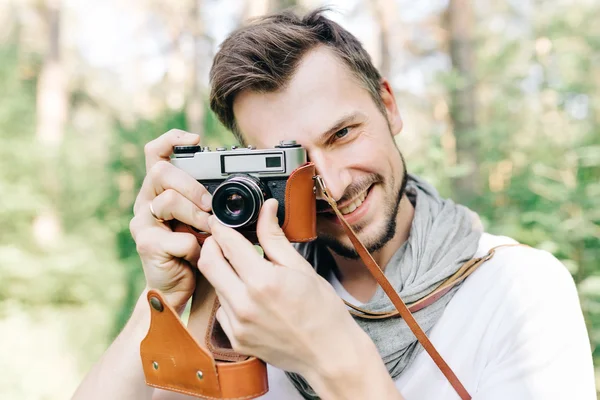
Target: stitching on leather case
{"type": "Point", "coordinates": [236, 366]}
{"type": "Point", "coordinates": [231, 355]}
{"type": "Point", "coordinates": [208, 333]}
{"type": "Point", "coordinates": [308, 238]}
{"type": "Point", "coordinates": [176, 389]}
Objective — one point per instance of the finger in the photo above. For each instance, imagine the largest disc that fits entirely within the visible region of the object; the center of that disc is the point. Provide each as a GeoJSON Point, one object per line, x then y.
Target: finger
{"type": "Point", "coordinates": [161, 148]}
{"type": "Point", "coordinates": [273, 241]}
{"type": "Point", "coordinates": [215, 268]}
{"type": "Point", "coordinates": [141, 223]}
{"type": "Point", "coordinates": [238, 250]}
{"type": "Point", "coordinates": [170, 205]}
{"type": "Point", "coordinates": [164, 176]}
{"type": "Point", "coordinates": [156, 241]}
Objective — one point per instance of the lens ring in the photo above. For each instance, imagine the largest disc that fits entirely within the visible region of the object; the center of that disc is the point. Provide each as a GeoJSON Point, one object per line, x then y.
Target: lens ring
{"type": "Point", "coordinates": [238, 187]}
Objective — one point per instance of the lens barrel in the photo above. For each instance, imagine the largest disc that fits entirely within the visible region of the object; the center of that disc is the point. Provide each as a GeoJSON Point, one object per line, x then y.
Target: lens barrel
{"type": "Point", "coordinates": [237, 201]}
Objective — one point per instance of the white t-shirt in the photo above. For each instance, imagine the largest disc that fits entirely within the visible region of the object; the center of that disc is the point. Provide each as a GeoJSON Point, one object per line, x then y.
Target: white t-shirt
{"type": "Point", "coordinates": [514, 330]}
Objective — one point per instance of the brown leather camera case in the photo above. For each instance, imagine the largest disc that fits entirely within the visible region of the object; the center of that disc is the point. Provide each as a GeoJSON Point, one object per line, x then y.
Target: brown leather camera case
{"type": "Point", "coordinates": [198, 360]}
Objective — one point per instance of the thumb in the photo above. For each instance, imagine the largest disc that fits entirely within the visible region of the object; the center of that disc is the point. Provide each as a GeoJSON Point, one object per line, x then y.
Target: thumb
{"type": "Point", "coordinates": [276, 246]}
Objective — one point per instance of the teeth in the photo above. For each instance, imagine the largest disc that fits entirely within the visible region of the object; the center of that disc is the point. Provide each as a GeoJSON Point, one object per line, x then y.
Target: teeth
{"type": "Point", "coordinates": [354, 205]}
{"type": "Point", "coordinates": [349, 208]}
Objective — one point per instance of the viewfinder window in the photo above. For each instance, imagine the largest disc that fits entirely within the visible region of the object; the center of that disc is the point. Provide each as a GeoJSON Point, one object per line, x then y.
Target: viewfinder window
{"type": "Point", "coordinates": [273, 162]}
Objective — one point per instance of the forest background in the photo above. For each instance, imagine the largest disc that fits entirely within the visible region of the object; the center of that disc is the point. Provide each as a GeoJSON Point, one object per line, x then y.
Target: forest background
{"type": "Point", "coordinates": [500, 103]}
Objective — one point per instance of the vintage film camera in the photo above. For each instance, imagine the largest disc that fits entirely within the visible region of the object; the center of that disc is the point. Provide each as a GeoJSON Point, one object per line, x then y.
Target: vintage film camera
{"type": "Point", "coordinates": [242, 178]}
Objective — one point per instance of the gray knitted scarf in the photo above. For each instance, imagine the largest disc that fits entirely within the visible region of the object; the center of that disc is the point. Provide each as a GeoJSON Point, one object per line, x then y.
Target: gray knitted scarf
{"type": "Point", "coordinates": [443, 236]}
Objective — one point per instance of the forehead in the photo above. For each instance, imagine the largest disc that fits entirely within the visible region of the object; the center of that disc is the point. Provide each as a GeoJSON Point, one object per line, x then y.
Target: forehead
{"type": "Point", "coordinates": [321, 90]}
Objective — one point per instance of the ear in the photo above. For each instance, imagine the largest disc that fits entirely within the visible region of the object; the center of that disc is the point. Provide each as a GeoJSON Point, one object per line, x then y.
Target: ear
{"type": "Point", "coordinates": [389, 102]}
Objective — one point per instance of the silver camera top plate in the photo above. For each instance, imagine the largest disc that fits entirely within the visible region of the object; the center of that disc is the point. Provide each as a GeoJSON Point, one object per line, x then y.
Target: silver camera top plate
{"type": "Point", "coordinates": [204, 164]}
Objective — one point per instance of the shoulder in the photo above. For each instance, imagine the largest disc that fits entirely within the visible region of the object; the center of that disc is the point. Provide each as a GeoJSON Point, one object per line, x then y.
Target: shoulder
{"type": "Point", "coordinates": [521, 289]}
{"type": "Point", "coordinates": [524, 271]}
{"type": "Point", "coordinates": [525, 291]}
{"type": "Point", "coordinates": [534, 325]}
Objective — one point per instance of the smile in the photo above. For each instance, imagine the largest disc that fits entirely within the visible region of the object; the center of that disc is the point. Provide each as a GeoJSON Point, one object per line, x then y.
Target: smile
{"type": "Point", "coordinates": [354, 204]}
{"type": "Point", "coordinates": [351, 210]}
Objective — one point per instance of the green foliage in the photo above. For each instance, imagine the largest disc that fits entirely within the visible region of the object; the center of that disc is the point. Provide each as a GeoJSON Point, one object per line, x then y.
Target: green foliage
{"type": "Point", "coordinates": [537, 143]}
{"type": "Point", "coordinates": [539, 130]}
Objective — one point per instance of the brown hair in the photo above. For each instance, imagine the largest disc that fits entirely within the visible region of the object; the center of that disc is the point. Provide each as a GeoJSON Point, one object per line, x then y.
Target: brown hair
{"type": "Point", "coordinates": [263, 56]}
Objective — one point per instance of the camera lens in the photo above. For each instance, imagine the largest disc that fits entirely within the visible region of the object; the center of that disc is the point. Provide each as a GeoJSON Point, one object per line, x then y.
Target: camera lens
{"type": "Point", "coordinates": [234, 203]}
{"type": "Point", "coordinates": [237, 201]}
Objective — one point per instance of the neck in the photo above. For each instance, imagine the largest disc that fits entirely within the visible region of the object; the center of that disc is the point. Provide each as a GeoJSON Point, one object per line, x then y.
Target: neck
{"type": "Point", "coordinates": [354, 275]}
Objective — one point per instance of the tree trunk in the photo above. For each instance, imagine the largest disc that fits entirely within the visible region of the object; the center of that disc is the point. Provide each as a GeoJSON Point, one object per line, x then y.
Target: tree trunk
{"type": "Point", "coordinates": [462, 95]}
{"type": "Point", "coordinates": [195, 104]}
{"type": "Point", "coordinates": [52, 96]}
{"type": "Point", "coordinates": [384, 12]}
{"type": "Point", "coordinates": [52, 104]}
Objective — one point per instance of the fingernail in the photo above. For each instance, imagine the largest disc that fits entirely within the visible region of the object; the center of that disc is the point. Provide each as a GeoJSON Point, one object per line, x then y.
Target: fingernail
{"type": "Point", "coordinates": [206, 200]}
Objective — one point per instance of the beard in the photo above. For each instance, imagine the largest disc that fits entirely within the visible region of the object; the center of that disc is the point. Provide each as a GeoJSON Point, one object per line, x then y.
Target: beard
{"type": "Point", "coordinates": [390, 214]}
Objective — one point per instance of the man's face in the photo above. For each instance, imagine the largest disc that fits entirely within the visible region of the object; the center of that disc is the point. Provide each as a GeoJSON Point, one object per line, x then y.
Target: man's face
{"type": "Point", "coordinates": [327, 111]}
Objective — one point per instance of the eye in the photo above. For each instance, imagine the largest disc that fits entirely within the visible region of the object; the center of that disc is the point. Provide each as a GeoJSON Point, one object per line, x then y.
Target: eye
{"type": "Point", "coordinates": [341, 133]}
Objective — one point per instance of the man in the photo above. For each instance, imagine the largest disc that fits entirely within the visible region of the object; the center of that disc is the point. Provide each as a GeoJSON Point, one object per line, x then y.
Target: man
{"type": "Point", "coordinates": [512, 330]}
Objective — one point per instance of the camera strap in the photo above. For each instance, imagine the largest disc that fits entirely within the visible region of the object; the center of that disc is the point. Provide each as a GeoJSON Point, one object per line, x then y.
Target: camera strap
{"type": "Point", "coordinates": [197, 360]}
{"type": "Point", "coordinates": [402, 309]}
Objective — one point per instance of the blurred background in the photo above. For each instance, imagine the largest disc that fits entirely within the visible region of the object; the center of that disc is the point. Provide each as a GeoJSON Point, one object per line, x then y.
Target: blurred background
{"type": "Point", "coordinates": [500, 102]}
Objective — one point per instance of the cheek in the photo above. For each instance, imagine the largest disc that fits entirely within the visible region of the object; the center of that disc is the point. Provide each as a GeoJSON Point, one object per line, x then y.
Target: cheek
{"type": "Point", "coordinates": [369, 151]}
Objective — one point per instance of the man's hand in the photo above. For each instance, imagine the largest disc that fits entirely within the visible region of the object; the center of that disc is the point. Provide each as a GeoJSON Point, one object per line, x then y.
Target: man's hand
{"type": "Point", "coordinates": [168, 257]}
{"type": "Point", "coordinates": [278, 309]}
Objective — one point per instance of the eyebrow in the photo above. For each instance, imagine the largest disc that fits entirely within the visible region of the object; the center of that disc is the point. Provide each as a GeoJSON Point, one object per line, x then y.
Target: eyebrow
{"type": "Point", "coordinates": [339, 124]}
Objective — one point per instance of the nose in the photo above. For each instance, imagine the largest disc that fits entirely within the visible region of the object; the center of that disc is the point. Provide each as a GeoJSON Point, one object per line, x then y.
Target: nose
{"type": "Point", "coordinates": [337, 178]}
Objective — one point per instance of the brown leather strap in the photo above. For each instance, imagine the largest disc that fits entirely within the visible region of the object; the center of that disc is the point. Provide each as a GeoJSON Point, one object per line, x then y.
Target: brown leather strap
{"type": "Point", "coordinates": [394, 297]}
{"type": "Point", "coordinates": [463, 273]}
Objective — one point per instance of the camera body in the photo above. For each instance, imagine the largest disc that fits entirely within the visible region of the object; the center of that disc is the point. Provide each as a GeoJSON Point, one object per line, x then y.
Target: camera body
{"type": "Point", "coordinates": [241, 179]}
